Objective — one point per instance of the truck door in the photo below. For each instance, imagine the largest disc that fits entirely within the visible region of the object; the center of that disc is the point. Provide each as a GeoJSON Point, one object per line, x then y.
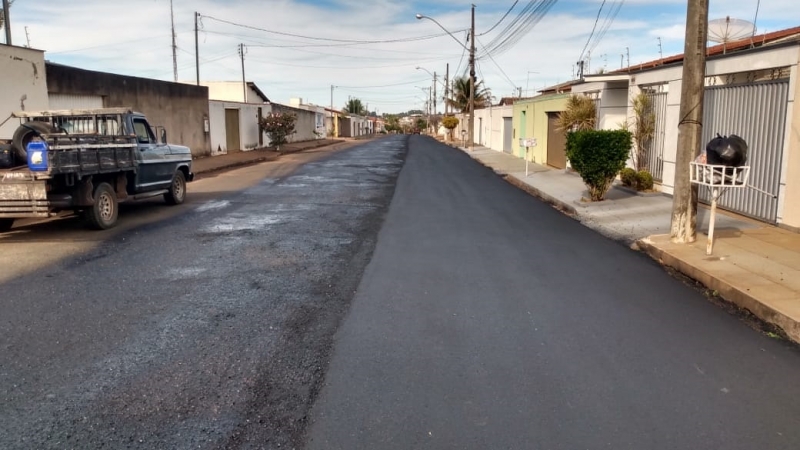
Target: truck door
{"type": "Point", "coordinates": [154, 165]}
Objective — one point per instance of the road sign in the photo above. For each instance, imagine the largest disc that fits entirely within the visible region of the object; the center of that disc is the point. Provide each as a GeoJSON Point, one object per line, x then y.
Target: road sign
{"type": "Point", "coordinates": [527, 142]}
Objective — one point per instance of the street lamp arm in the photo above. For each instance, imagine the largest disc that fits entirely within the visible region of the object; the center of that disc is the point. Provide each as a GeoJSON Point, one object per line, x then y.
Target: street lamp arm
{"type": "Point", "coordinates": [420, 17]}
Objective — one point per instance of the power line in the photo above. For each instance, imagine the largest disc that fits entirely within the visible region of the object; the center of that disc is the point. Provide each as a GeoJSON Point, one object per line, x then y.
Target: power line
{"type": "Point", "coordinates": [530, 15]}
{"type": "Point", "coordinates": [314, 38]}
{"type": "Point", "coordinates": [498, 65]}
{"type": "Point", "coordinates": [384, 85]}
{"type": "Point", "coordinates": [609, 19]}
{"type": "Point", "coordinates": [501, 19]}
{"type": "Point", "coordinates": [593, 28]}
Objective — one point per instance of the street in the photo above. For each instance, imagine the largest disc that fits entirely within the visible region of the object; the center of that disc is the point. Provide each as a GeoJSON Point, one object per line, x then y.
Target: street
{"type": "Point", "coordinates": [207, 328]}
{"type": "Point", "coordinates": [392, 295]}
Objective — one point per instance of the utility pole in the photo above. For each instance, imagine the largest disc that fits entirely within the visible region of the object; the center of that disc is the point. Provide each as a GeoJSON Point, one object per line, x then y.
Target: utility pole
{"type": "Point", "coordinates": [519, 92]}
{"type": "Point", "coordinates": [333, 124]}
{"type": "Point", "coordinates": [27, 37]}
{"type": "Point", "coordinates": [196, 48]}
{"type": "Point", "coordinates": [472, 82]}
{"type": "Point", "coordinates": [434, 92]}
{"type": "Point", "coordinates": [446, 88]}
{"type": "Point", "coordinates": [628, 53]}
{"type": "Point", "coordinates": [690, 128]}
{"type": "Point", "coordinates": [7, 21]}
{"type": "Point", "coordinates": [660, 50]}
{"type": "Point", "coordinates": [244, 83]}
{"type": "Point", "coordinates": [174, 45]}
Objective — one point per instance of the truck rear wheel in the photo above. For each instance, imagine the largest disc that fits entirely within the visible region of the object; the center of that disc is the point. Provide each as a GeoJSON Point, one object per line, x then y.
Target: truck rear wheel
{"type": "Point", "coordinates": [103, 214]}
{"type": "Point", "coordinates": [6, 224]}
{"type": "Point", "coordinates": [177, 190]}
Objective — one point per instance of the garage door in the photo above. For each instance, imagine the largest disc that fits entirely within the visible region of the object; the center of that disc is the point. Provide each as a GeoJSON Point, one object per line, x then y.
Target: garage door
{"type": "Point", "coordinates": [71, 101]}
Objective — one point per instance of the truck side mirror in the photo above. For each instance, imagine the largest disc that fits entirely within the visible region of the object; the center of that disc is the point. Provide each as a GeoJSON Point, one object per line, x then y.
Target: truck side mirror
{"type": "Point", "coordinates": [164, 136]}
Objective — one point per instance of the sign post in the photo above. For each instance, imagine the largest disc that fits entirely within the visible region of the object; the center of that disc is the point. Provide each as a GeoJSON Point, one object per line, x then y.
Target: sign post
{"type": "Point", "coordinates": [527, 143]}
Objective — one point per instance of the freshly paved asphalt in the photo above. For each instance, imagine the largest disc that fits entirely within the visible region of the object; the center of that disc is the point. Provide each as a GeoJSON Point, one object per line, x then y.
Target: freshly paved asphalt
{"type": "Point", "coordinates": [488, 320]}
{"type": "Point", "coordinates": [209, 328]}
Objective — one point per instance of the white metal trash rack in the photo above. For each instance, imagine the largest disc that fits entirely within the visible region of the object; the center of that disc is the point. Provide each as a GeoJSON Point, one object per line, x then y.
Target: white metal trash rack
{"type": "Point", "coordinates": [719, 178]}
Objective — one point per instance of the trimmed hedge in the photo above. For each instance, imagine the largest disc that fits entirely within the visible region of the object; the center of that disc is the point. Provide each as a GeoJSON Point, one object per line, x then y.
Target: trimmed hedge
{"type": "Point", "coordinates": [628, 177]}
{"type": "Point", "coordinates": [644, 181]}
{"type": "Point", "coordinates": [598, 156]}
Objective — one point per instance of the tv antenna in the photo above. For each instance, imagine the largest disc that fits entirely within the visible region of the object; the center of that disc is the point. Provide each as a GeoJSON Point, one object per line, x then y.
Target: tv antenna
{"type": "Point", "coordinates": [723, 31]}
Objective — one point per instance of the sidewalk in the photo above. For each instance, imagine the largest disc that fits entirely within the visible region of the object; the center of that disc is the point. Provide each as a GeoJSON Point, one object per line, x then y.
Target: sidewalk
{"type": "Point", "coordinates": [754, 265]}
{"type": "Point", "coordinates": [213, 163]}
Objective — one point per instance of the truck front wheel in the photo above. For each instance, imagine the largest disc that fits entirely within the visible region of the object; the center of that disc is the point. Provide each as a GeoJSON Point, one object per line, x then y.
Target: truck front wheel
{"type": "Point", "coordinates": [6, 224]}
{"type": "Point", "coordinates": [177, 190]}
{"type": "Point", "coordinates": [103, 214]}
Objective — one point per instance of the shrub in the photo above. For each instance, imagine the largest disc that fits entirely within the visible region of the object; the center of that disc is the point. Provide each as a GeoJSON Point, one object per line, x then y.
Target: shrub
{"type": "Point", "coordinates": [628, 177]}
{"type": "Point", "coordinates": [279, 126]}
{"type": "Point", "coordinates": [598, 156]}
{"type": "Point", "coordinates": [644, 181]}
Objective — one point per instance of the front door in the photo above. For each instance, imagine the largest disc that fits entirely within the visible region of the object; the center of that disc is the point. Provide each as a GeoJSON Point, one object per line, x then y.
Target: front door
{"type": "Point", "coordinates": [508, 137]}
{"type": "Point", "coordinates": [155, 167]}
{"type": "Point", "coordinates": [232, 140]}
{"type": "Point", "coordinates": [556, 143]}
{"type": "Point", "coordinates": [523, 122]}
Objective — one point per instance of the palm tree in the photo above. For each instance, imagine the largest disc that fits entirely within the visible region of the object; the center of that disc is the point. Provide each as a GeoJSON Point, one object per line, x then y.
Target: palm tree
{"type": "Point", "coordinates": [460, 96]}
{"type": "Point", "coordinates": [354, 106]}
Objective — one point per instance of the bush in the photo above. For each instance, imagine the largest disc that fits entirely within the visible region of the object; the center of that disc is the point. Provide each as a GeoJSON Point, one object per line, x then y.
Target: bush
{"type": "Point", "coordinates": [644, 181]}
{"type": "Point", "coordinates": [628, 177]}
{"type": "Point", "coordinates": [279, 126]}
{"type": "Point", "coordinates": [598, 156]}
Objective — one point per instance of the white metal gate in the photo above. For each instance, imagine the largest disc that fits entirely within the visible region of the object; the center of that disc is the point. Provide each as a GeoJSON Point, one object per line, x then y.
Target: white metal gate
{"type": "Point", "coordinates": [757, 113]}
{"type": "Point", "coordinates": [655, 151]}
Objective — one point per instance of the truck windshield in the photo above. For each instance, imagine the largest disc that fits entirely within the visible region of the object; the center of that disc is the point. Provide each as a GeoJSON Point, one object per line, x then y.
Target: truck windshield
{"type": "Point", "coordinates": [143, 132]}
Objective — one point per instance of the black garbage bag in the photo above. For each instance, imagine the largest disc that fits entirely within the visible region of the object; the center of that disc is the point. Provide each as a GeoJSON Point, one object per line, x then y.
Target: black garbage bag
{"type": "Point", "coordinates": [727, 151]}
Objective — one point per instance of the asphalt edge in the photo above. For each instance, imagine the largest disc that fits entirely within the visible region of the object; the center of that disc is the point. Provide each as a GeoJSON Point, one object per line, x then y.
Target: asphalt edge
{"type": "Point", "coordinates": [725, 290]}
{"type": "Point", "coordinates": [272, 157]}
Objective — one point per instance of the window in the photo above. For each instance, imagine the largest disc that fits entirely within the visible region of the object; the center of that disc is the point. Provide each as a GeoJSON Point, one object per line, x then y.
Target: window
{"type": "Point", "coordinates": [143, 132]}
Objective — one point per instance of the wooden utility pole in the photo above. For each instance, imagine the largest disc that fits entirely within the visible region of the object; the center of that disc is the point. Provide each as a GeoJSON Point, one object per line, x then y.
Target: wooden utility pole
{"type": "Point", "coordinates": [196, 48]}
{"type": "Point", "coordinates": [446, 88]}
{"type": "Point", "coordinates": [244, 83]}
{"type": "Point", "coordinates": [690, 127]}
{"type": "Point", "coordinates": [7, 21]}
{"type": "Point", "coordinates": [434, 93]}
{"type": "Point", "coordinates": [174, 44]}
{"type": "Point", "coordinates": [471, 131]}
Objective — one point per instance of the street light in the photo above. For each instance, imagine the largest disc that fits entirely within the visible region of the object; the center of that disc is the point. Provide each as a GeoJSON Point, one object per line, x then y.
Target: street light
{"type": "Point", "coordinates": [471, 50]}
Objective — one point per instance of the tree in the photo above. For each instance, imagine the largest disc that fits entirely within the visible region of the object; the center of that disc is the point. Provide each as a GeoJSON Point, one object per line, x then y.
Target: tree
{"type": "Point", "coordinates": [579, 115]}
{"type": "Point", "coordinates": [2, 15]}
{"type": "Point", "coordinates": [279, 126]}
{"type": "Point", "coordinates": [354, 106]}
{"type": "Point", "coordinates": [393, 123]}
{"type": "Point", "coordinates": [459, 98]}
{"type": "Point", "coordinates": [421, 123]}
{"type": "Point", "coordinates": [450, 122]}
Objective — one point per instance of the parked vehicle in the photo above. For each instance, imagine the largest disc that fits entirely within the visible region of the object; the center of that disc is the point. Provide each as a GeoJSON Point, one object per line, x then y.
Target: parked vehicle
{"type": "Point", "coordinates": [87, 161]}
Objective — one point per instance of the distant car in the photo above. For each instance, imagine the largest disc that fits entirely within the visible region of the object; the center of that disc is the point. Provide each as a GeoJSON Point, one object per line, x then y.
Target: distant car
{"type": "Point", "coordinates": [416, 131]}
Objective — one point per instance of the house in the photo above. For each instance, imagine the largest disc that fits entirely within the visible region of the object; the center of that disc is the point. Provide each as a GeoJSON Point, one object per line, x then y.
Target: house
{"type": "Point", "coordinates": [320, 130]}
{"type": "Point", "coordinates": [235, 91]}
{"type": "Point", "coordinates": [751, 86]}
{"type": "Point", "coordinates": [537, 118]}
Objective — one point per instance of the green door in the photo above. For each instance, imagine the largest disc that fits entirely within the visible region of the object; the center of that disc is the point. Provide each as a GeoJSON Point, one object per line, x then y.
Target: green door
{"type": "Point", "coordinates": [523, 121]}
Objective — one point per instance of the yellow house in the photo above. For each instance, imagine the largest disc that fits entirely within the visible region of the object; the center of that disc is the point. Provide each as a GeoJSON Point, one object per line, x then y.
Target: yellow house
{"type": "Point", "coordinates": [537, 118]}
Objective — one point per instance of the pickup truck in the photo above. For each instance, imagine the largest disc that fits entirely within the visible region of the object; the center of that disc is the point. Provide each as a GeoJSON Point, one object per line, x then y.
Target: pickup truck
{"type": "Point", "coordinates": [87, 161]}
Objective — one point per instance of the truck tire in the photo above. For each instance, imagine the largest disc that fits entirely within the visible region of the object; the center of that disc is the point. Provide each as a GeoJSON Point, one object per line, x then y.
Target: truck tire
{"type": "Point", "coordinates": [103, 214]}
{"type": "Point", "coordinates": [6, 224]}
{"type": "Point", "coordinates": [24, 134]}
{"type": "Point", "coordinates": [177, 190]}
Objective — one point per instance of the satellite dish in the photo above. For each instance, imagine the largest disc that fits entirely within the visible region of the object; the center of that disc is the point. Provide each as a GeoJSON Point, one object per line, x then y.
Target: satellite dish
{"type": "Point", "coordinates": [723, 31]}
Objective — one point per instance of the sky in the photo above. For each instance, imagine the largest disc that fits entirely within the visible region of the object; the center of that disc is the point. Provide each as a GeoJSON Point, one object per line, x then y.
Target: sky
{"type": "Point", "coordinates": [300, 48]}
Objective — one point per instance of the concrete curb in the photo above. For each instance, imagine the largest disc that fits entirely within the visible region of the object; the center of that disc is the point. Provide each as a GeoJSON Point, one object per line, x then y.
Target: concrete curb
{"type": "Point", "coordinates": [725, 290]}
{"type": "Point", "coordinates": [538, 193]}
